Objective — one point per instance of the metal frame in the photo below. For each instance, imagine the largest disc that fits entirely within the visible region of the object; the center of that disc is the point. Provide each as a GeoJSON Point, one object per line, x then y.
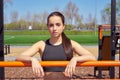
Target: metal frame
{"type": "Point", "coordinates": [113, 22]}
{"type": "Point", "coordinates": [59, 63]}
{"type": "Point", "coordinates": [100, 42]}
{"type": "Point", "coordinates": [1, 40]}
{"type": "Point", "coordinates": [112, 40]}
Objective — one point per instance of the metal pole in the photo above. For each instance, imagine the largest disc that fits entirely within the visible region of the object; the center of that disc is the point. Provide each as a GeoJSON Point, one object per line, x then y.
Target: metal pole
{"type": "Point", "coordinates": [1, 40]}
{"type": "Point", "coordinates": [100, 50]}
{"type": "Point", "coordinates": [113, 19]}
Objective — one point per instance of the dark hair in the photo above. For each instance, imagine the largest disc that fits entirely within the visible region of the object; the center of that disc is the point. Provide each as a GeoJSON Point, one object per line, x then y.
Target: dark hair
{"type": "Point", "coordinates": [65, 40]}
{"type": "Point", "coordinates": [56, 14]}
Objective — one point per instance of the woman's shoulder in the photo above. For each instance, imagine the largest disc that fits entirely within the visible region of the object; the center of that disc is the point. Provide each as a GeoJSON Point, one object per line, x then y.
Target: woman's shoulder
{"type": "Point", "coordinates": [74, 43]}
{"type": "Point", "coordinates": [41, 42]}
{"type": "Point", "coordinates": [39, 45]}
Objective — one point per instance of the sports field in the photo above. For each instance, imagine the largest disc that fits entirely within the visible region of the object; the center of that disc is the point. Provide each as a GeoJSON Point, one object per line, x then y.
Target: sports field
{"type": "Point", "coordinates": [31, 39]}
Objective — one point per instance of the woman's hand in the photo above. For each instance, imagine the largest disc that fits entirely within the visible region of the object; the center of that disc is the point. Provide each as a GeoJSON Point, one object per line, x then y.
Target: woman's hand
{"type": "Point", "coordinates": [70, 68]}
{"type": "Point", "coordinates": [37, 68]}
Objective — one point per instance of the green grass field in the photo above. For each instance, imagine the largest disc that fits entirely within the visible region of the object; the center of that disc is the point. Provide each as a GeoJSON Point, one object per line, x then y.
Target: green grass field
{"type": "Point", "coordinates": [31, 39]}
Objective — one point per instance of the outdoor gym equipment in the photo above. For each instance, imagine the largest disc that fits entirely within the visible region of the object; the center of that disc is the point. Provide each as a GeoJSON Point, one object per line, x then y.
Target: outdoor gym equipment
{"type": "Point", "coordinates": [59, 63]}
{"type": "Point", "coordinates": [105, 48]}
{"type": "Point", "coordinates": [112, 40]}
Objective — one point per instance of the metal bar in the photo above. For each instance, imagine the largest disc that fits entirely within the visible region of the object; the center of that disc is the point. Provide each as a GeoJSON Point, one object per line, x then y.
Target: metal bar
{"type": "Point", "coordinates": [1, 39]}
{"type": "Point", "coordinates": [113, 22]}
{"type": "Point", "coordinates": [59, 63]}
{"type": "Point", "coordinates": [100, 35]}
{"type": "Point", "coordinates": [113, 19]}
{"type": "Point", "coordinates": [100, 32]}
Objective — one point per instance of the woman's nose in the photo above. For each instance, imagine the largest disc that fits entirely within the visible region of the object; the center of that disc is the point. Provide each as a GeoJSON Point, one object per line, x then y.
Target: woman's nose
{"type": "Point", "coordinates": [54, 28]}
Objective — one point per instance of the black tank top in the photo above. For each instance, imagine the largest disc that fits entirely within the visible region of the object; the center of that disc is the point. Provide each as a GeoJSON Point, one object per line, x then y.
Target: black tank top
{"type": "Point", "coordinates": [53, 53]}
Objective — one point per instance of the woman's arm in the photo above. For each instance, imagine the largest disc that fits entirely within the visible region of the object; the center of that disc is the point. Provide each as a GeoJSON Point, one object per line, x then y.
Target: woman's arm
{"type": "Point", "coordinates": [83, 55]}
{"type": "Point", "coordinates": [29, 53]}
{"type": "Point", "coordinates": [27, 56]}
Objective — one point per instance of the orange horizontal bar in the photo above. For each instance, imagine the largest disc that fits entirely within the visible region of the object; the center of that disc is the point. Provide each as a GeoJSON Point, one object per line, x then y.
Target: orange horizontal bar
{"type": "Point", "coordinates": [108, 26]}
{"type": "Point", "coordinates": [59, 63]}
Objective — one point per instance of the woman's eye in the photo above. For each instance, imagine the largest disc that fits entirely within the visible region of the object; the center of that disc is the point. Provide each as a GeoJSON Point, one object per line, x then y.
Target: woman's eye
{"type": "Point", "coordinates": [58, 24]}
{"type": "Point", "coordinates": [50, 25]}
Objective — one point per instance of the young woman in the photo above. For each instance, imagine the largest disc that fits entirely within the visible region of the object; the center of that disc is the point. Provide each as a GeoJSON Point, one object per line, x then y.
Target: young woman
{"type": "Point", "coordinates": [57, 47]}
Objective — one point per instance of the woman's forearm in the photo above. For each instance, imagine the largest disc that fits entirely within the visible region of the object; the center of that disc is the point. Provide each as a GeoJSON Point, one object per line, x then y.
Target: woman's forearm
{"type": "Point", "coordinates": [25, 58]}
{"type": "Point", "coordinates": [83, 58]}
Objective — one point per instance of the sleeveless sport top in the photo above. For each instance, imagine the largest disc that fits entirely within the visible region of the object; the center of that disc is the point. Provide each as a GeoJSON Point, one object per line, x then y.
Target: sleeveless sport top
{"type": "Point", "coordinates": [53, 53]}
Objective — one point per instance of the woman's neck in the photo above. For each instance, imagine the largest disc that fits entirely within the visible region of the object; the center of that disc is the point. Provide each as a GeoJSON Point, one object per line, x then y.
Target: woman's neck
{"type": "Point", "coordinates": [56, 40]}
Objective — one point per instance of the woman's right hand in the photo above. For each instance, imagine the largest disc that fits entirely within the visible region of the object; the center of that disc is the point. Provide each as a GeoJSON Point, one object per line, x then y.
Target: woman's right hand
{"type": "Point", "coordinates": [37, 68]}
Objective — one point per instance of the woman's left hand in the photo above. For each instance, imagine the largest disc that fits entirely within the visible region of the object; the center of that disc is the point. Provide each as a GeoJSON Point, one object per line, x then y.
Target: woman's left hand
{"type": "Point", "coordinates": [70, 68]}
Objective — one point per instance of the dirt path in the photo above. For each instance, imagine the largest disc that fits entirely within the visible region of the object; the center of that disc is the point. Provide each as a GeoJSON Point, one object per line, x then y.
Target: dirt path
{"type": "Point", "coordinates": [16, 50]}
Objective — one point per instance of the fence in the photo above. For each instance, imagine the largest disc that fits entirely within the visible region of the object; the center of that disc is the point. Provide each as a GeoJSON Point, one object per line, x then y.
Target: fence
{"type": "Point", "coordinates": [6, 49]}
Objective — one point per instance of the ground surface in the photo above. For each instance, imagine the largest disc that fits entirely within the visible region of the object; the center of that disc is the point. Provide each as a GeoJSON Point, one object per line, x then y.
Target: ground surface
{"type": "Point", "coordinates": [25, 73]}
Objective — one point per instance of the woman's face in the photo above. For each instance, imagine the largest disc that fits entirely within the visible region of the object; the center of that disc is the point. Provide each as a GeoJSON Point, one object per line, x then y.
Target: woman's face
{"type": "Point", "coordinates": [55, 26]}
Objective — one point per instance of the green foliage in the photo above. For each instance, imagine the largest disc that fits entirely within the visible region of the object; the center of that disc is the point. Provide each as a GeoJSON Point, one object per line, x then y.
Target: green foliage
{"type": "Point", "coordinates": [11, 26]}
{"type": "Point", "coordinates": [68, 27]}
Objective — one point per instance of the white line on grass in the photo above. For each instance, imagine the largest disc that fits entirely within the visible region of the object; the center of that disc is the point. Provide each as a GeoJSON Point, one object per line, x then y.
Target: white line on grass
{"type": "Point", "coordinates": [10, 38]}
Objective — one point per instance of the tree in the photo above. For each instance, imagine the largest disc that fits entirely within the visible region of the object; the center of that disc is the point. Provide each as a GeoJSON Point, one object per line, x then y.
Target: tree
{"type": "Point", "coordinates": [28, 17]}
{"type": "Point", "coordinates": [90, 23]}
{"type": "Point", "coordinates": [71, 13]}
{"type": "Point", "coordinates": [22, 24]}
{"type": "Point", "coordinates": [106, 13]}
{"type": "Point", "coordinates": [36, 21]}
{"type": "Point", "coordinates": [14, 19]}
{"type": "Point", "coordinates": [56, 8]}
{"type": "Point", "coordinates": [6, 4]}
{"type": "Point", "coordinates": [14, 16]}
{"type": "Point", "coordinates": [81, 24]}
{"type": "Point", "coordinates": [78, 21]}
{"type": "Point", "coordinates": [118, 12]}
{"type": "Point", "coordinates": [43, 20]}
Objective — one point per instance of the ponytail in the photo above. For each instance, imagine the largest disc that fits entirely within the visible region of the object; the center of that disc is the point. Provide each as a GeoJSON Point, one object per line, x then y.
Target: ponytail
{"type": "Point", "coordinates": [67, 46]}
